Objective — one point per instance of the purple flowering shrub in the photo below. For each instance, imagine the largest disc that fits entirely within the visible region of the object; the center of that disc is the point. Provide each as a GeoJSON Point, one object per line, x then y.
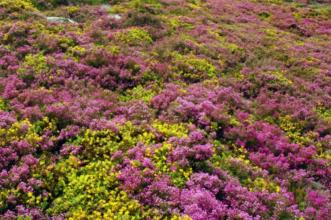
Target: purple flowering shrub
{"type": "Point", "coordinates": [165, 109]}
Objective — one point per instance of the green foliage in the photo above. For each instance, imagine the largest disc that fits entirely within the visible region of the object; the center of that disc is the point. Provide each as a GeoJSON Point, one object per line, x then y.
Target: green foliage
{"type": "Point", "coordinates": [3, 105]}
{"type": "Point", "coordinates": [264, 15]}
{"type": "Point", "coordinates": [325, 114]}
{"type": "Point", "coordinates": [16, 9]}
{"type": "Point", "coordinates": [138, 93]}
{"type": "Point", "coordinates": [76, 52]}
{"type": "Point", "coordinates": [271, 1]}
{"type": "Point", "coordinates": [294, 130]}
{"type": "Point", "coordinates": [21, 217]}
{"type": "Point", "coordinates": [260, 184]}
{"type": "Point", "coordinates": [170, 130]}
{"type": "Point", "coordinates": [134, 37]}
{"type": "Point", "coordinates": [3, 199]}
{"type": "Point", "coordinates": [90, 2]}
{"type": "Point", "coordinates": [37, 63]}
{"type": "Point", "coordinates": [45, 124]}
{"type": "Point", "coordinates": [99, 143]}
{"type": "Point", "coordinates": [102, 143]}
{"type": "Point", "coordinates": [145, 5]}
{"type": "Point", "coordinates": [319, 10]}
{"type": "Point", "coordinates": [91, 192]}
{"type": "Point", "coordinates": [46, 4]}
{"type": "Point", "coordinates": [280, 78]}
{"type": "Point", "coordinates": [180, 174]}
{"type": "Point", "coordinates": [21, 130]}
{"type": "Point", "coordinates": [224, 159]}
{"type": "Point", "coordinates": [193, 68]}
{"type": "Point", "coordinates": [237, 164]}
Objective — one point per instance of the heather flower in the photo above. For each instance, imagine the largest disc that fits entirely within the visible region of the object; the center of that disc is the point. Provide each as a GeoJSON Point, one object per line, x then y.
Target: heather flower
{"type": "Point", "coordinates": [131, 178]}
{"type": "Point", "coordinates": [205, 181]}
{"type": "Point", "coordinates": [202, 152]}
{"type": "Point", "coordinates": [162, 100]}
{"type": "Point", "coordinates": [6, 119]}
{"type": "Point", "coordinates": [165, 109]}
{"type": "Point", "coordinates": [162, 195]}
{"type": "Point", "coordinates": [202, 204]}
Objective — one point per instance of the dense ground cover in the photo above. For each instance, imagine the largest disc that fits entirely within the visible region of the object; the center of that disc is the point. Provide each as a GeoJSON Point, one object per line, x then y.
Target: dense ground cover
{"type": "Point", "coordinates": [165, 109]}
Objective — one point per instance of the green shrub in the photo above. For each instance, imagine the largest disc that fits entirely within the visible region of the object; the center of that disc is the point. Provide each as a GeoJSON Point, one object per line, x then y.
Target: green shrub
{"type": "Point", "coordinates": [138, 93]}
{"type": "Point", "coordinates": [91, 192]}
{"type": "Point", "coordinates": [193, 69]}
{"type": "Point", "coordinates": [134, 37]}
{"type": "Point", "coordinates": [17, 9]}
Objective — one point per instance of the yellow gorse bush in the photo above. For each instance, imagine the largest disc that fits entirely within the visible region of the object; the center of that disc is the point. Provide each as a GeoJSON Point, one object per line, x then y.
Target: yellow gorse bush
{"type": "Point", "coordinates": [21, 130]}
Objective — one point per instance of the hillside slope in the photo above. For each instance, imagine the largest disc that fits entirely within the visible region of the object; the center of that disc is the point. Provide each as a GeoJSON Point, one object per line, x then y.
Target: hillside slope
{"type": "Point", "coordinates": [165, 109]}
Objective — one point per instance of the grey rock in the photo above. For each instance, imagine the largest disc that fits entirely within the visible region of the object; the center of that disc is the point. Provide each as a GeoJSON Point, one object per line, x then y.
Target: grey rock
{"type": "Point", "coordinates": [107, 7]}
{"type": "Point", "coordinates": [60, 20]}
{"type": "Point", "coordinates": [115, 16]}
